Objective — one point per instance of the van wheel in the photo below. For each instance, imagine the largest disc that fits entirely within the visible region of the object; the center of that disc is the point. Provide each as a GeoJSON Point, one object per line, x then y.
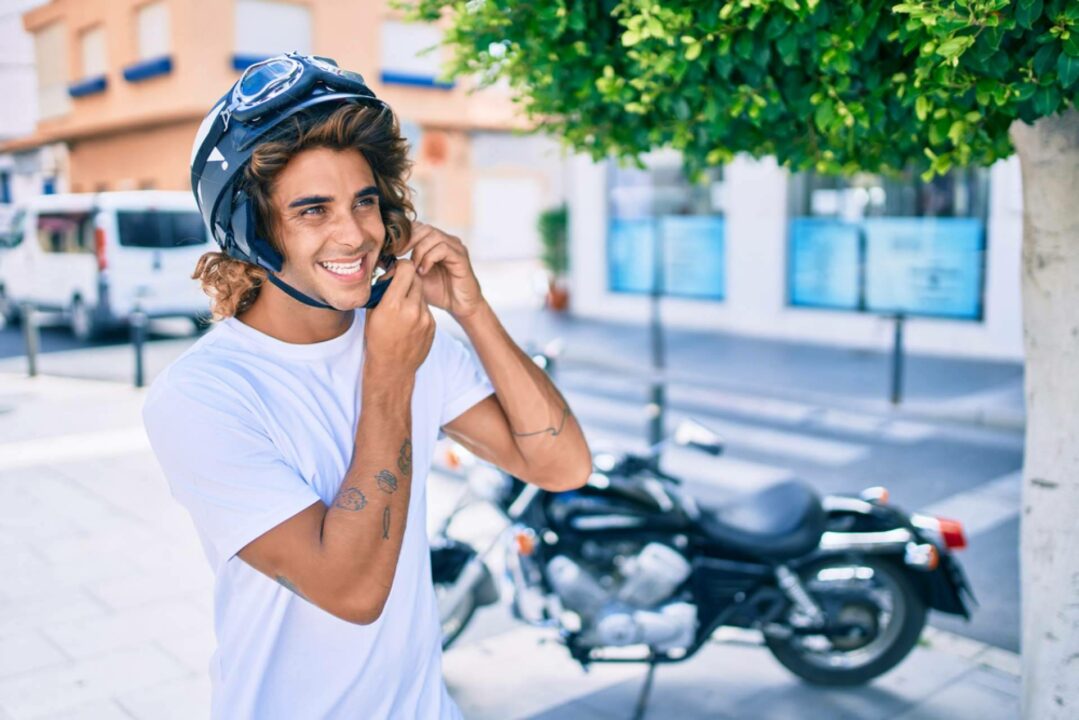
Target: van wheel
{"type": "Point", "coordinates": [9, 310]}
{"type": "Point", "coordinates": [83, 325]}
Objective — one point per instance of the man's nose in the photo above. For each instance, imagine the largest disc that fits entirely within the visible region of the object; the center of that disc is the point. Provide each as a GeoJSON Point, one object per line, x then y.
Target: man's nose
{"type": "Point", "coordinates": [358, 233]}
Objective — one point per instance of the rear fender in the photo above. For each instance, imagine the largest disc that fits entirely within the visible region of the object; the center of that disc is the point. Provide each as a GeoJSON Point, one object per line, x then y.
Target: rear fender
{"type": "Point", "coordinates": [944, 589]}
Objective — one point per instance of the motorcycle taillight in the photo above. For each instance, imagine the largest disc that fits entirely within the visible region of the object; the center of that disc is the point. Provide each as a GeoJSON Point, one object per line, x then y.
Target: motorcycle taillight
{"type": "Point", "coordinates": [951, 532]}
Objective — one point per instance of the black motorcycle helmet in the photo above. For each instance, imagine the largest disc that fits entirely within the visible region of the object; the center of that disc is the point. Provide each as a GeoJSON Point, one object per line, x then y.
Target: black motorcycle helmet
{"type": "Point", "coordinates": [268, 93]}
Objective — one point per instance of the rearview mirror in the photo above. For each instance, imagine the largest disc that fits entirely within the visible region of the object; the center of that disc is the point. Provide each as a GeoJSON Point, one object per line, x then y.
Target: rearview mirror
{"type": "Point", "coordinates": [691, 433]}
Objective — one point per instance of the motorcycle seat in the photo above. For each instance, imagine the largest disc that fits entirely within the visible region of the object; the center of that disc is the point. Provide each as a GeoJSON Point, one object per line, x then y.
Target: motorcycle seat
{"type": "Point", "coordinates": [780, 522]}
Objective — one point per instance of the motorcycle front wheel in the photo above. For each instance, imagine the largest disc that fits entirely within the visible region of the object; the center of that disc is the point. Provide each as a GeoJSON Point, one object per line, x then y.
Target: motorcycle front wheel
{"type": "Point", "coordinates": [879, 615]}
{"type": "Point", "coordinates": [454, 620]}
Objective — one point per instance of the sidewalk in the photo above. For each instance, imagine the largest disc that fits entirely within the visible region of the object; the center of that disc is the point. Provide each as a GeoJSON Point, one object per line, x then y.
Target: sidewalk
{"type": "Point", "coordinates": [107, 613]}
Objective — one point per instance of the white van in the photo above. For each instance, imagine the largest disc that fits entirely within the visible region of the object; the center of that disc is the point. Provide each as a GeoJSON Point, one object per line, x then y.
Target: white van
{"type": "Point", "coordinates": [97, 256]}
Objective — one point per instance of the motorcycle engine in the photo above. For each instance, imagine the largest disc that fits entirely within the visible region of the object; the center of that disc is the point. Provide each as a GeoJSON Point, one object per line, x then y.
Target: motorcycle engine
{"type": "Point", "coordinates": [626, 599]}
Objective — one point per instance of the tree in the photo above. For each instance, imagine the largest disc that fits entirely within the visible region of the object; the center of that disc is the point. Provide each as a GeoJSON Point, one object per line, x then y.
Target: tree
{"type": "Point", "coordinates": [838, 87]}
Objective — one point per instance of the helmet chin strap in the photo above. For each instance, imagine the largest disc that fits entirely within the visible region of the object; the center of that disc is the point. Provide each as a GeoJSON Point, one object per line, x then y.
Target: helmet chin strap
{"type": "Point", "coordinates": [377, 291]}
{"type": "Point", "coordinates": [296, 294]}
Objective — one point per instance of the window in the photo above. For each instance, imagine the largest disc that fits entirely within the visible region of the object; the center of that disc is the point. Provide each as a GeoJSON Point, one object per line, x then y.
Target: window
{"type": "Point", "coordinates": [660, 205]}
{"type": "Point", "coordinates": [889, 245]}
{"type": "Point", "coordinates": [65, 233]}
{"type": "Point", "coordinates": [270, 27]}
{"type": "Point", "coordinates": [154, 38]}
{"type": "Point", "coordinates": [50, 52]}
{"type": "Point", "coordinates": [403, 59]}
{"type": "Point", "coordinates": [92, 45]}
{"type": "Point", "coordinates": [160, 229]}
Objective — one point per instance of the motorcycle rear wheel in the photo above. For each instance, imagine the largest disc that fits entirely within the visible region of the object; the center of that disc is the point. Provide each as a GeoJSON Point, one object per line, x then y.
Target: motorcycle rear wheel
{"type": "Point", "coordinates": [845, 662]}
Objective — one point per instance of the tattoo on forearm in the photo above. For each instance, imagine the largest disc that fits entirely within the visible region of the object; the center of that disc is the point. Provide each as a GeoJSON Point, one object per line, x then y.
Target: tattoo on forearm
{"type": "Point", "coordinates": [386, 523]}
{"type": "Point", "coordinates": [351, 499]}
{"type": "Point", "coordinates": [386, 480]}
{"type": "Point", "coordinates": [404, 458]}
{"type": "Point", "coordinates": [287, 584]}
{"type": "Point", "coordinates": [553, 431]}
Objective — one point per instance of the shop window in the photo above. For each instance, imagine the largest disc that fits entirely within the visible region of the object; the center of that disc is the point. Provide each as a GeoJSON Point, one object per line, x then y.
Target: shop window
{"type": "Point", "coordinates": [658, 212]}
{"type": "Point", "coordinates": [889, 245]}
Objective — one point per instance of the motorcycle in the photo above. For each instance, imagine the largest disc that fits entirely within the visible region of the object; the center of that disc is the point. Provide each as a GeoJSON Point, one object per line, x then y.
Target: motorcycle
{"type": "Point", "coordinates": [838, 586]}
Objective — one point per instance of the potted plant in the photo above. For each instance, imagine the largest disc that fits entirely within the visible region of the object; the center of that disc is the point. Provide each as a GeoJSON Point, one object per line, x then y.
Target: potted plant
{"type": "Point", "coordinates": [553, 228]}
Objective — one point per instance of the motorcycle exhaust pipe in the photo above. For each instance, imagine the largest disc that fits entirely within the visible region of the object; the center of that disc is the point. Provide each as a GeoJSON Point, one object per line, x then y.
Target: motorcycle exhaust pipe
{"type": "Point", "coordinates": [883, 541]}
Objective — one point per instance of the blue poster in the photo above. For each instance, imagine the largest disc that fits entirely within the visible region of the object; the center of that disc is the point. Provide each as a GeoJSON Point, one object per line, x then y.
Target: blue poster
{"type": "Point", "coordinates": [824, 264]}
{"type": "Point", "coordinates": [693, 253]}
{"type": "Point", "coordinates": [925, 266]}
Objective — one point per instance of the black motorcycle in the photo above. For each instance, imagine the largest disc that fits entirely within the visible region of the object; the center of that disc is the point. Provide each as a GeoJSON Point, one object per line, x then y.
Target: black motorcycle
{"type": "Point", "coordinates": [838, 586]}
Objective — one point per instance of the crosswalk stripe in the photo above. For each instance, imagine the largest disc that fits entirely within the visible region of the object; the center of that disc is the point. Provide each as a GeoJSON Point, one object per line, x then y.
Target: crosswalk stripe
{"type": "Point", "coordinates": [740, 436]}
{"type": "Point", "coordinates": [984, 507]}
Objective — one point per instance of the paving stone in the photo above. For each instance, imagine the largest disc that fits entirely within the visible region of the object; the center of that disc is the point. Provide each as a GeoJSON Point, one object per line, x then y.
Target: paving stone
{"type": "Point", "coordinates": [193, 647]}
{"type": "Point", "coordinates": [136, 590]}
{"type": "Point", "coordinates": [182, 699]}
{"type": "Point", "coordinates": [966, 700]}
{"type": "Point", "coordinates": [74, 687]}
{"type": "Point", "coordinates": [481, 679]}
{"type": "Point", "coordinates": [50, 608]}
{"type": "Point", "coordinates": [26, 651]}
{"type": "Point", "coordinates": [104, 710]}
{"type": "Point", "coordinates": [86, 638]}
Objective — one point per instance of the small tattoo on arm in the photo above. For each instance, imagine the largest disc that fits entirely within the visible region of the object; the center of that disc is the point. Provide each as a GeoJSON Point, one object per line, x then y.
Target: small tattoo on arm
{"type": "Point", "coordinates": [386, 480]}
{"type": "Point", "coordinates": [351, 499]}
{"type": "Point", "coordinates": [404, 458]}
{"type": "Point", "coordinates": [386, 523]}
{"type": "Point", "coordinates": [287, 584]}
{"type": "Point", "coordinates": [555, 432]}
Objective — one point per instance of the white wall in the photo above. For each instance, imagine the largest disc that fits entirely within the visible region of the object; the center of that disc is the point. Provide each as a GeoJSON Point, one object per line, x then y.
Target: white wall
{"type": "Point", "coordinates": [757, 264]}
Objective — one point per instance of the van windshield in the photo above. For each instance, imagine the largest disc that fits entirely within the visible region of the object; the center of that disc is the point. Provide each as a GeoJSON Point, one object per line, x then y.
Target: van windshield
{"type": "Point", "coordinates": [160, 228]}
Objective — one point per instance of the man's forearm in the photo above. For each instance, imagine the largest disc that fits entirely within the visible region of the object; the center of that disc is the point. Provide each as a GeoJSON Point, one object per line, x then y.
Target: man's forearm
{"type": "Point", "coordinates": [365, 524]}
{"type": "Point", "coordinates": [546, 432]}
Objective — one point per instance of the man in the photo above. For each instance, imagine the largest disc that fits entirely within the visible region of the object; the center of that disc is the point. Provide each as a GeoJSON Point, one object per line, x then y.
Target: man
{"type": "Point", "coordinates": [298, 433]}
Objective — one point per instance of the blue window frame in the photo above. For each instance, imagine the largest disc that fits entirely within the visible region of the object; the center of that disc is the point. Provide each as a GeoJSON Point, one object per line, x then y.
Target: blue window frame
{"type": "Point", "coordinates": [89, 86]}
{"type": "Point", "coordinates": [146, 69]}
{"type": "Point", "coordinates": [400, 78]}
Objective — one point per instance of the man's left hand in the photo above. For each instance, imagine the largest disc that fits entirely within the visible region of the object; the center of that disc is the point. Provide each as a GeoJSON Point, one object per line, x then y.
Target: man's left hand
{"type": "Point", "coordinates": [445, 270]}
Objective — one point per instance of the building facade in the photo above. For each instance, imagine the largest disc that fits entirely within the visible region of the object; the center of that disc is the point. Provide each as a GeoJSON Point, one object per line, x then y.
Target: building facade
{"type": "Point", "coordinates": [122, 86]}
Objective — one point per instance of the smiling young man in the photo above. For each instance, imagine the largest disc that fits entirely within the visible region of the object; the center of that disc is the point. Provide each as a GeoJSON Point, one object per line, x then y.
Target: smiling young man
{"type": "Point", "coordinates": [298, 433]}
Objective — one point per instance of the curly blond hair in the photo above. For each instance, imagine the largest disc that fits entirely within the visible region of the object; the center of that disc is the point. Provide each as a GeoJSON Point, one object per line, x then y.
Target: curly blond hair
{"type": "Point", "coordinates": [233, 285]}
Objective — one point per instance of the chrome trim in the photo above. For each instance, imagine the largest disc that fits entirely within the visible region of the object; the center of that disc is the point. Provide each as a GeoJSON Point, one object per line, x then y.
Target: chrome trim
{"type": "Point", "coordinates": [832, 503]}
{"type": "Point", "coordinates": [872, 542]}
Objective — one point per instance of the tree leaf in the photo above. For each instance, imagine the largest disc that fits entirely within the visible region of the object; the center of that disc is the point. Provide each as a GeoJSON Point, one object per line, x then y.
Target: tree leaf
{"type": "Point", "coordinates": [1067, 70]}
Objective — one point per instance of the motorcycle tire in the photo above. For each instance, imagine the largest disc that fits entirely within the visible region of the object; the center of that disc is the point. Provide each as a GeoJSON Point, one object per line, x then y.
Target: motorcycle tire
{"type": "Point", "coordinates": [453, 626]}
{"type": "Point", "coordinates": [913, 618]}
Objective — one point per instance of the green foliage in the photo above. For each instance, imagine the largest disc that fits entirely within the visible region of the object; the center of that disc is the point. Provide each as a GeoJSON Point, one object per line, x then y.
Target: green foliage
{"type": "Point", "coordinates": [553, 226]}
{"type": "Point", "coordinates": [835, 86]}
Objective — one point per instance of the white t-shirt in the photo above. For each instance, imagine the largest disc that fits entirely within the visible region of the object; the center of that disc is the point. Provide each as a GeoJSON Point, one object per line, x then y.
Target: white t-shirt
{"type": "Point", "coordinates": [249, 431]}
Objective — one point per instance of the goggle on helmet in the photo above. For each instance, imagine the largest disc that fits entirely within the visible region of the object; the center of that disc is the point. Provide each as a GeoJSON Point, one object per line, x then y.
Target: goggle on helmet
{"type": "Point", "coordinates": [268, 93]}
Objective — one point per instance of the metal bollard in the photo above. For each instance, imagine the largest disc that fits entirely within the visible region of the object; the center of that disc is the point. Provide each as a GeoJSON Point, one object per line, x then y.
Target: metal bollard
{"type": "Point", "coordinates": [138, 339]}
{"type": "Point", "coordinates": [32, 336]}
{"type": "Point", "coordinates": [897, 361]}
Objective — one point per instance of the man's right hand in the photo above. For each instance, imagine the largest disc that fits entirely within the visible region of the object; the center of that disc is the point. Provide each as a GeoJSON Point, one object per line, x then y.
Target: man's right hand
{"type": "Point", "coordinates": [400, 330]}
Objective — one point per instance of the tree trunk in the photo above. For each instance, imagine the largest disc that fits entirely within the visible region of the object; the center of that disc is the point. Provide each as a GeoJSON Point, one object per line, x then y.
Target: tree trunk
{"type": "Point", "coordinates": [1049, 156]}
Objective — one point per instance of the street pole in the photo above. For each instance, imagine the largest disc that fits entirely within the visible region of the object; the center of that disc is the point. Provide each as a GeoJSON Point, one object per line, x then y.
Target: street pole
{"type": "Point", "coordinates": [138, 339]}
{"type": "Point", "coordinates": [897, 360]}
{"type": "Point", "coordinates": [657, 403]}
{"type": "Point", "coordinates": [31, 336]}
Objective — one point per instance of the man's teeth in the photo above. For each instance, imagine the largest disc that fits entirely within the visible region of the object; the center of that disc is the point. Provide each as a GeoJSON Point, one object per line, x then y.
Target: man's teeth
{"type": "Point", "coordinates": [343, 269]}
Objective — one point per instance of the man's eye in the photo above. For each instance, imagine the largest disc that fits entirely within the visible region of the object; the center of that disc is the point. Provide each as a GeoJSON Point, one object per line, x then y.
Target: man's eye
{"type": "Point", "coordinates": [313, 210]}
{"type": "Point", "coordinates": [366, 201]}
